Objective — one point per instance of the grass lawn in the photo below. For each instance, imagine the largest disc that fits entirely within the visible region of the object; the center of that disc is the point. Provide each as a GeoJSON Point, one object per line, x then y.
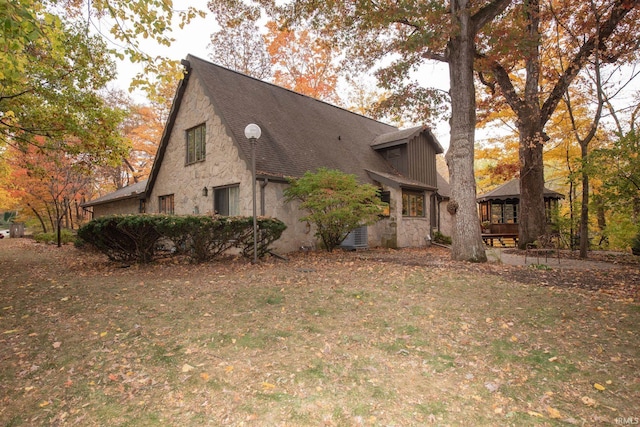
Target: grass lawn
{"type": "Point", "coordinates": [322, 340]}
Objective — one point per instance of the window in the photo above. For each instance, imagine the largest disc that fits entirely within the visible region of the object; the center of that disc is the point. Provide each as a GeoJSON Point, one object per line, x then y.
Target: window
{"type": "Point", "coordinates": [226, 200]}
{"type": "Point", "coordinates": [195, 144]}
{"type": "Point", "coordinates": [550, 206]}
{"type": "Point", "coordinates": [385, 196]}
{"type": "Point", "coordinates": [413, 203]}
{"type": "Point", "coordinates": [166, 204]}
{"type": "Point", "coordinates": [504, 213]}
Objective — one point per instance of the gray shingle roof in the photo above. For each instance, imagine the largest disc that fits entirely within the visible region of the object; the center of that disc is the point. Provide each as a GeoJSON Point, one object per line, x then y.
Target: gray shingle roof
{"type": "Point", "coordinates": [444, 188]}
{"type": "Point", "coordinates": [511, 190]}
{"type": "Point", "coordinates": [136, 190]}
{"type": "Point", "coordinates": [403, 136]}
{"type": "Point", "coordinates": [299, 133]}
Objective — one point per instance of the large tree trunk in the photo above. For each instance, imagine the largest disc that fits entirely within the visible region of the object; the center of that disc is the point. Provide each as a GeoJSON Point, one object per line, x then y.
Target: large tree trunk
{"type": "Point", "coordinates": [532, 221]}
{"type": "Point", "coordinates": [467, 242]}
{"type": "Point", "coordinates": [584, 211]}
{"type": "Point", "coordinates": [532, 218]}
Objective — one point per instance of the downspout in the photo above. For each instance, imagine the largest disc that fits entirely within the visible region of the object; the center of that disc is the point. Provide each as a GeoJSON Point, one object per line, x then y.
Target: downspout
{"type": "Point", "coordinates": [264, 183]}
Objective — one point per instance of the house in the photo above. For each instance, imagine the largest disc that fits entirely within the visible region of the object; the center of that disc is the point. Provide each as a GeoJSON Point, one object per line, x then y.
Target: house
{"type": "Point", "coordinates": [203, 163]}
{"type": "Point", "coordinates": [499, 209]}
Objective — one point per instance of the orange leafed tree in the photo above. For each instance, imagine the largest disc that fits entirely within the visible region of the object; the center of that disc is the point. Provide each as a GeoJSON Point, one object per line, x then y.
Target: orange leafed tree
{"type": "Point", "coordinates": [50, 182]}
{"type": "Point", "coordinates": [302, 62]}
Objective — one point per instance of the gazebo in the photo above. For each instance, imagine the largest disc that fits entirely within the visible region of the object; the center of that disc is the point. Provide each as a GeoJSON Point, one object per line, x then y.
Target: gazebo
{"type": "Point", "coordinates": [499, 210]}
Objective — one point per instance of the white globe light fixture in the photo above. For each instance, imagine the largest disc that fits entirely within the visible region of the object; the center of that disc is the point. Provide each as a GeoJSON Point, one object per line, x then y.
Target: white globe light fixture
{"type": "Point", "coordinates": [252, 132]}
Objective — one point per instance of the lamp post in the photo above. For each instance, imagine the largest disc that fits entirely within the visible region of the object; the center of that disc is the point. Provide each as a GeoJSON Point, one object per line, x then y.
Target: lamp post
{"type": "Point", "coordinates": [253, 132]}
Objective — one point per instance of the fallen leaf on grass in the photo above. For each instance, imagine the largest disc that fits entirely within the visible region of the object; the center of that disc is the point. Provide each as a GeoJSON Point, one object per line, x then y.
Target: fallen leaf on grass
{"type": "Point", "coordinates": [204, 376]}
{"type": "Point", "coordinates": [57, 344]}
{"type": "Point", "coordinates": [535, 414]}
{"type": "Point", "coordinates": [588, 401]}
{"type": "Point", "coordinates": [553, 413]}
{"type": "Point", "coordinates": [599, 387]}
{"type": "Point", "coordinates": [187, 368]}
{"type": "Point", "coordinates": [268, 386]}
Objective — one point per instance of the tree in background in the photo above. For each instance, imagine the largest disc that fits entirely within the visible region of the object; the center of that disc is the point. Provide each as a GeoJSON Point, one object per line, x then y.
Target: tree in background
{"type": "Point", "coordinates": [141, 130]}
{"type": "Point", "coordinates": [523, 72]}
{"type": "Point", "coordinates": [296, 60]}
{"type": "Point", "coordinates": [336, 203]}
{"type": "Point", "coordinates": [50, 182]}
{"type": "Point", "coordinates": [302, 62]}
{"type": "Point", "coordinates": [240, 46]}
{"type": "Point", "coordinates": [57, 97]}
{"type": "Point", "coordinates": [619, 165]}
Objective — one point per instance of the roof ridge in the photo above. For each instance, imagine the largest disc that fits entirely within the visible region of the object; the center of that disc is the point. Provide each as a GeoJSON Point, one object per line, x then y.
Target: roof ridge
{"type": "Point", "coordinates": [191, 56]}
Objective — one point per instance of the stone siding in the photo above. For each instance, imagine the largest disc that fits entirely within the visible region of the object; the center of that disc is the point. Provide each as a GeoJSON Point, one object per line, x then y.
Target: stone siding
{"type": "Point", "coordinates": [118, 207]}
{"type": "Point", "coordinates": [222, 165]}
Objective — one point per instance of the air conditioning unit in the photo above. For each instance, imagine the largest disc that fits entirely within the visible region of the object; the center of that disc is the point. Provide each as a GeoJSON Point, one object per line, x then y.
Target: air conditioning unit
{"type": "Point", "coordinates": [357, 239]}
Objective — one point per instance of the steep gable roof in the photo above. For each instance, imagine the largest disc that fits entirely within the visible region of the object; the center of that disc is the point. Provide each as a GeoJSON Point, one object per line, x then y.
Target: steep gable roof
{"type": "Point", "coordinates": [511, 190]}
{"type": "Point", "coordinates": [299, 133]}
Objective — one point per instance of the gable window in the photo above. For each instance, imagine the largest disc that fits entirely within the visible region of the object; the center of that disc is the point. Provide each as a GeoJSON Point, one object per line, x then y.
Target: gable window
{"type": "Point", "coordinates": [413, 203]}
{"type": "Point", "coordinates": [166, 204]}
{"type": "Point", "coordinates": [195, 144]}
{"type": "Point", "coordinates": [226, 200]}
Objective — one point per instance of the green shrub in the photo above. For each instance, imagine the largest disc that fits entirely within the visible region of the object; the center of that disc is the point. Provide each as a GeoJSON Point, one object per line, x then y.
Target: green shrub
{"type": "Point", "coordinates": [123, 237]}
{"type": "Point", "coordinates": [440, 238]}
{"type": "Point", "coordinates": [137, 238]}
{"type": "Point", "coordinates": [635, 245]}
{"type": "Point", "coordinates": [66, 236]}
{"type": "Point", "coordinates": [336, 203]}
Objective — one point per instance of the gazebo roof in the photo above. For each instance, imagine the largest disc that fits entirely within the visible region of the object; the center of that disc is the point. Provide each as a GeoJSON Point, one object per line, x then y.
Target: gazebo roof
{"type": "Point", "coordinates": [511, 190]}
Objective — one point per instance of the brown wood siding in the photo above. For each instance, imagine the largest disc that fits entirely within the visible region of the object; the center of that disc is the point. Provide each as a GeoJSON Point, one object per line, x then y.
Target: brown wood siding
{"type": "Point", "coordinates": [422, 160]}
{"type": "Point", "coordinates": [397, 158]}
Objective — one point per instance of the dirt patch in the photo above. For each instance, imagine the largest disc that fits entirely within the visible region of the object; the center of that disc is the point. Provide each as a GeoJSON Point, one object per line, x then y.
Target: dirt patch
{"type": "Point", "coordinates": [622, 280]}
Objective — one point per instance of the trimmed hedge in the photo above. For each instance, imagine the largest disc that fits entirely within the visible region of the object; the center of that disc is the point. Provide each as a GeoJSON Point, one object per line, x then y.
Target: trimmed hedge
{"type": "Point", "coordinates": [139, 238]}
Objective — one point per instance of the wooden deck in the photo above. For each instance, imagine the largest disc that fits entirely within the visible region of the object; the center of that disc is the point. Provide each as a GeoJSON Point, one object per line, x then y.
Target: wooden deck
{"type": "Point", "coordinates": [504, 239]}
